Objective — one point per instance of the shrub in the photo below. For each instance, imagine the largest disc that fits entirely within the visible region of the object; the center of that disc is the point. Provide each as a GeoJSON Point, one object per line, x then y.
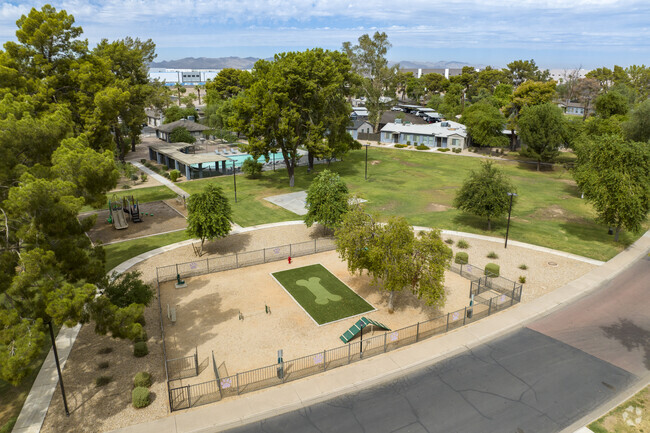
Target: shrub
{"type": "Point", "coordinates": [103, 365]}
{"type": "Point", "coordinates": [401, 146]}
{"type": "Point", "coordinates": [449, 241]}
{"type": "Point", "coordinates": [103, 380]}
{"type": "Point", "coordinates": [127, 186]}
{"type": "Point", "coordinates": [461, 258]}
{"type": "Point", "coordinates": [142, 379]}
{"type": "Point", "coordinates": [141, 337]}
{"type": "Point", "coordinates": [457, 150]}
{"type": "Point", "coordinates": [174, 175]}
{"type": "Point", "coordinates": [140, 397]}
{"type": "Point", "coordinates": [134, 177]}
{"type": "Point", "coordinates": [522, 279]}
{"type": "Point", "coordinates": [252, 168]}
{"type": "Point", "coordinates": [422, 147]}
{"type": "Point", "coordinates": [105, 350]}
{"type": "Point", "coordinates": [443, 149]}
{"type": "Point", "coordinates": [143, 161]}
{"type": "Point", "coordinates": [408, 143]}
{"type": "Point", "coordinates": [462, 244]}
{"type": "Point", "coordinates": [166, 175]}
{"type": "Point", "coordinates": [140, 349]}
{"type": "Point", "coordinates": [523, 267]}
{"type": "Point", "coordinates": [144, 177]}
{"type": "Point", "coordinates": [492, 255]}
{"type": "Point", "coordinates": [492, 270]}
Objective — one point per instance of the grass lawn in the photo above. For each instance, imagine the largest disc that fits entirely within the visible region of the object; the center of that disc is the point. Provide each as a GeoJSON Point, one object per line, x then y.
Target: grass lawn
{"type": "Point", "coordinates": [122, 251]}
{"type": "Point", "coordinates": [421, 187]}
{"type": "Point", "coordinates": [143, 195]}
{"type": "Point", "coordinates": [617, 420]}
{"type": "Point", "coordinates": [323, 296]}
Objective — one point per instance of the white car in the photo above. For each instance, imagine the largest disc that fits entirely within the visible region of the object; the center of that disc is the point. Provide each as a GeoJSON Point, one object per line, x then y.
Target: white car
{"type": "Point", "coordinates": [396, 109]}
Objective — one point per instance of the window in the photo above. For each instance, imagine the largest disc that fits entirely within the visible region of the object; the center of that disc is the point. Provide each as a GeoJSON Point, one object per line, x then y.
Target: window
{"type": "Point", "coordinates": [455, 142]}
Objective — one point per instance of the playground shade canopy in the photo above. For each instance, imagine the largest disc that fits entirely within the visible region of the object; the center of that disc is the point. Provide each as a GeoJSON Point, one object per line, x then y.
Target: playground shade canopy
{"type": "Point", "coordinates": [358, 326]}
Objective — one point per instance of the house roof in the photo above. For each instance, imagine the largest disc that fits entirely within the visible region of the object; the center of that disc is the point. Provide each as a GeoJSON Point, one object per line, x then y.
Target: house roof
{"type": "Point", "coordinates": [172, 150]}
{"type": "Point", "coordinates": [357, 123]}
{"type": "Point", "coordinates": [432, 129]}
{"type": "Point", "coordinates": [390, 116]}
{"type": "Point", "coordinates": [183, 123]}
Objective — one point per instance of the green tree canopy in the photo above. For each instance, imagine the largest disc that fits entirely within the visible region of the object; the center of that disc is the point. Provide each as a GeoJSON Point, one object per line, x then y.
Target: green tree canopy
{"type": "Point", "coordinates": [174, 113]}
{"type": "Point", "coordinates": [209, 214]}
{"type": "Point", "coordinates": [327, 200]}
{"type": "Point", "coordinates": [614, 176]}
{"type": "Point", "coordinates": [638, 127]}
{"type": "Point", "coordinates": [297, 100]}
{"type": "Point", "coordinates": [542, 130]}
{"type": "Point", "coordinates": [227, 84]}
{"type": "Point", "coordinates": [180, 134]}
{"type": "Point", "coordinates": [485, 124]}
{"type": "Point", "coordinates": [394, 255]}
{"type": "Point", "coordinates": [485, 193]}
{"type": "Point", "coordinates": [611, 103]}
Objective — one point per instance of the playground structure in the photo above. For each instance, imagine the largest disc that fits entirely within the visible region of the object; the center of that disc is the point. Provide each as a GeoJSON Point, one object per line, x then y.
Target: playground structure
{"type": "Point", "coordinates": [118, 208]}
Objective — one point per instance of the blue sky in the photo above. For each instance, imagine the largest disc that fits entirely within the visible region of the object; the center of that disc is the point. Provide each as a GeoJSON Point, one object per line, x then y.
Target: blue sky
{"type": "Point", "coordinates": [556, 33]}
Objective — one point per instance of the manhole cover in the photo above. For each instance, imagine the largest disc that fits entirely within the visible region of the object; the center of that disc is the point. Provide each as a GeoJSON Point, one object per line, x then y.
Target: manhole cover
{"type": "Point", "coordinates": [552, 264]}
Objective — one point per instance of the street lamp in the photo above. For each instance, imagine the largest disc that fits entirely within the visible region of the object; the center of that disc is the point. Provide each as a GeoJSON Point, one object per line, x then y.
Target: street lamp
{"type": "Point", "coordinates": [58, 367]}
{"type": "Point", "coordinates": [511, 195]}
{"type": "Point", "coordinates": [367, 145]}
{"type": "Point", "coordinates": [234, 178]}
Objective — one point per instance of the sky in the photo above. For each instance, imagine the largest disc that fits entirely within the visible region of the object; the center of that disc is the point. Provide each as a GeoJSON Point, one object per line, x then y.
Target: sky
{"type": "Point", "coordinates": [556, 33]}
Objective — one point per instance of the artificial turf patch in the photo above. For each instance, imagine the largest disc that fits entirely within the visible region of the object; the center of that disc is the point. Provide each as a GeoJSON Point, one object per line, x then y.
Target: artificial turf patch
{"type": "Point", "coordinates": [323, 296]}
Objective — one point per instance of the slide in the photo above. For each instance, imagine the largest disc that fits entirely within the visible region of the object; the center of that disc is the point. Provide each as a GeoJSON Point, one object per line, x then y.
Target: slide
{"type": "Point", "coordinates": [119, 221]}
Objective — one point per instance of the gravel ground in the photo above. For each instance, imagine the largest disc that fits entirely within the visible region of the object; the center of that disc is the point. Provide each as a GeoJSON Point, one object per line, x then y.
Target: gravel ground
{"type": "Point", "coordinates": [102, 409]}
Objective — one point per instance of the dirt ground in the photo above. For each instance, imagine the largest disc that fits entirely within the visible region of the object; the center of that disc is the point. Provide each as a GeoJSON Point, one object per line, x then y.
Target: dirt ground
{"type": "Point", "coordinates": [224, 294]}
{"type": "Point", "coordinates": [207, 314]}
{"type": "Point", "coordinates": [164, 219]}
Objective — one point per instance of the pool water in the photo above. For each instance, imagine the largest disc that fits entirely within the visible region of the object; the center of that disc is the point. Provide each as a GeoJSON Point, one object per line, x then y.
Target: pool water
{"type": "Point", "coordinates": [239, 159]}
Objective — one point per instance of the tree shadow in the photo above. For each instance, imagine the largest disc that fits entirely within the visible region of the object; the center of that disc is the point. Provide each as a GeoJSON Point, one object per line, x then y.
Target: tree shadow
{"type": "Point", "coordinates": [466, 219]}
{"type": "Point", "coordinates": [572, 190]}
{"type": "Point", "coordinates": [631, 336]}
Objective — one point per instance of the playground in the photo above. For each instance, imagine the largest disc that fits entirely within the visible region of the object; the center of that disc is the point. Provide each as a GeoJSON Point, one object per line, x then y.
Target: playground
{"type": "Point", "coordinates": [244, 315]}
{"type": "Point", "coordinates": [156, 217]}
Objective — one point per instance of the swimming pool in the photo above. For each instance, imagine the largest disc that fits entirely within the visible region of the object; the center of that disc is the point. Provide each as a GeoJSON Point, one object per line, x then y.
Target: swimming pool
{"type": "Point", "coordinates": [239, 159]}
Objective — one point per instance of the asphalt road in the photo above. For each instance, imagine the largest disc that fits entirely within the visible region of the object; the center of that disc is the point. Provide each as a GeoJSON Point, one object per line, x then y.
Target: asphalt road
{"type": "Point", "coordinates": [541, 378]}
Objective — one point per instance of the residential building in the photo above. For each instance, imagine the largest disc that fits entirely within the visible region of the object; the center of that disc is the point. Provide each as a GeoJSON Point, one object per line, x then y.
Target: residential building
{"type": "Point", "coordinates": [196, 129]}
{"type": "Point", "coordinates": [441, 134]}
{"type": "Point", "coordinates": [357, 126]}
{"type": "Point", "coordinates": [574, 108]}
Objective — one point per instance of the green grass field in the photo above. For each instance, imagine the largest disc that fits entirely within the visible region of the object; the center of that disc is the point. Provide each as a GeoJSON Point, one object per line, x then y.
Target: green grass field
{"type": "Point", "coordinates": [323, 296]}
{"type": "Point", "coordinates": [123, 251]}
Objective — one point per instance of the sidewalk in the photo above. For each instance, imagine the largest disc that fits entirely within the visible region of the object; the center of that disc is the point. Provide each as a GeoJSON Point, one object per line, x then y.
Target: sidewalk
{"type": "Point", "coordinates": [168, 183]}
{"type": "Point", "coordinates": [295, 395]}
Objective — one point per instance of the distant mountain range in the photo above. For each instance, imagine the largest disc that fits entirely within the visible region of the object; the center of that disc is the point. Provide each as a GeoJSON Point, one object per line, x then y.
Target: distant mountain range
{"type": "Point", "coordinates": [248, 62]}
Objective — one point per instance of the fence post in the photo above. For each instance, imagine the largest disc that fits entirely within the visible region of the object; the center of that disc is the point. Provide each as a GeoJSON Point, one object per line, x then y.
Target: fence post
{"type": "Point", "coordinates": [189, 399]}
{"type": "Point", "coordinates": [464, 316]}
{"type": "Point", "coordinates": [490, 307]}
{"type": "Point", "coordinates": [447, 323]}
{"type": "Point", "coordinates": [324, 360]}
{"type": "Point", "coordinates": [512, 298]}
{"type": "Point", "coordinates": [417, 332]}
{"type": "Point", "coordinates": [237, 379]}
{"type": "Point", "coordinates": [385, 341]}
{"type": "Point", "coordinates": [196, 360]}
{"type": "Point", "coordinates": [176, 268]}
{"type": "Point", "coordinates": [169, 394]}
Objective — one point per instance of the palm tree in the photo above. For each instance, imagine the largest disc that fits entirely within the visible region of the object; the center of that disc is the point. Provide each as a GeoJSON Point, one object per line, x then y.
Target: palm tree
{"type": "Point", "coordinates": [198, 88]}
{"type": "Point", "coordinates": [180, 89]}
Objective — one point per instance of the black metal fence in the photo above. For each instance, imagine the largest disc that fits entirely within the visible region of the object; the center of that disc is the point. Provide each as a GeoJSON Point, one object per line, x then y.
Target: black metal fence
{"type": "Point", "coordinates": [239, 260]}
{"type": "Point", "coordinates": [182, 397]}
{"type": "Point", "coordinates": [187, 396]}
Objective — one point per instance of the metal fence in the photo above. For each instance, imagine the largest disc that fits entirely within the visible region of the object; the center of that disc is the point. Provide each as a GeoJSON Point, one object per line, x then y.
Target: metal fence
{"type": "Point", "coordinates": [180, 368]}
{"type": "Point", "coordinates": [184, 397]}
{"type": "Point", "coordinates": [239, 260]}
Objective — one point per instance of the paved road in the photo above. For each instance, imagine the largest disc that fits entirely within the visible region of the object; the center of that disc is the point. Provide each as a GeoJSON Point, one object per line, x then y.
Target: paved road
{"type": "Point", "coordinates": [541, 378]}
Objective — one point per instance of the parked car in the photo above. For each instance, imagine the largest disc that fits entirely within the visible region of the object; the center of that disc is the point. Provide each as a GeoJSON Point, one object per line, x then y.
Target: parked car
{"type": "Point", "coordinates": [396, 109]}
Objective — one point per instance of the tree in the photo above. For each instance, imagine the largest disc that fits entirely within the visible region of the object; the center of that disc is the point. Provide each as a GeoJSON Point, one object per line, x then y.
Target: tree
{"type": "Point", "coordinates": [376, 79]}
{"type": "Point", "coordinates": [485, 124]}
{"type": "Point", "coordinates": [452, 101]}
{"type": "Point", "coordinates": [174, 113]}
{"type": "Point", "coordinates": [393, 254]}
{"type": "Point", "coordinates": [327, 200]}
{"type": "Point", "coordinates": [611, 103]}
{"type": "Point", "coordinates": [542, 129]}
{"type": "Point", "coordinates": [434, 83]}
{"type": "Point", "coordinates": [638, 127]}
{"type": "Point", "coordinates": [125, 289]}
{"type": "Point", "coordinates": [199, 88]}
{"type": "Point", "coordinates": [189, 100]}
{"type": "Point", "coordinates": [485, 193]}
{"type": "Point", "coordinates": [586, 90]}
{"type": "Point", "coordinates": [209, 215]}
{"type": "Point", "coordinates": [297, 100]}
{"type": "Point", "coordinates": [520, 71]}
{"type": "Point", "coordinates": [180, 134]}
{"type": "Point", "coordinates": [252, 168]}
{"type": "Point", "coordinates": [604, 76]}
{"type": "Point", "coordinates": [228, 83]}
{"type": "Point", "coordinates": [180, 89]}
{"type": "Point", "coordinates": [614, 175]}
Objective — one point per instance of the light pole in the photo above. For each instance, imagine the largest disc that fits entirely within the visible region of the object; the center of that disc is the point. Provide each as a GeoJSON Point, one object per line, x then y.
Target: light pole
{"type": "Point", "coordinates": [58, 368]}
{"type": "Point", "coordinates": [367, 145]}
{"type": "Point", "coordinates": [234, 178]}
{"type": "Point", "coordinates": [511, 195]}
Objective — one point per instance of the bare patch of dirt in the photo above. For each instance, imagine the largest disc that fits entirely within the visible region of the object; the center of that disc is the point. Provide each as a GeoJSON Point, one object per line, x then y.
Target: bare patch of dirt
{"type": "Point", "coordinates": [555, 212]}
{"type": "Point", "coordinates": [160, 218]}
{"type": "Point", "coordinates": [435, 207]}
{"type": "Point", "coordinates": [375, 162]}
{"type": "Point", "coordinates": [390, 205]}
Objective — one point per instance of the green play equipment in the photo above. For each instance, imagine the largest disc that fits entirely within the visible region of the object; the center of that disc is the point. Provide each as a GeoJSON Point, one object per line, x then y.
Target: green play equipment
{"type": "Point", "coordinates": [358, 326]}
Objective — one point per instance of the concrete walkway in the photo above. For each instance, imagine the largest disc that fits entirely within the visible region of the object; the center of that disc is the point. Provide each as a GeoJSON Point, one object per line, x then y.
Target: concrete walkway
{"type": "Point", "coordinates": [168, 183]}
{"type": "Point", "coordinates": [311, 390]}
{"type": "Point", "coordinates": [354, 377]}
